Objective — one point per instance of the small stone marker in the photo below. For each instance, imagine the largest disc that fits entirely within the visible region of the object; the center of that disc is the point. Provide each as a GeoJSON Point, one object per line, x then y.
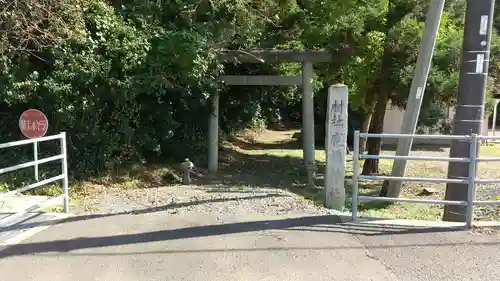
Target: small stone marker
{"type": "Point", "coordinates": [336, 145]}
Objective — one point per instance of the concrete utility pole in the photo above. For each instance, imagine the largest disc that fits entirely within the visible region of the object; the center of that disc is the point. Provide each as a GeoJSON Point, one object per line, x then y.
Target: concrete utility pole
{"type": "Point", "coordinates": [417, 90]}
{"type": "Point", "coordinates": [471, 96]}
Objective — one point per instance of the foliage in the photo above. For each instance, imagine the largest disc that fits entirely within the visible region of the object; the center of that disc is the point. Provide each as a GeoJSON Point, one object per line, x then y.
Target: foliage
{"type": "Point", "coordinates": [132, 80]}
{"type": "Point", "coordinates": [31, 24]}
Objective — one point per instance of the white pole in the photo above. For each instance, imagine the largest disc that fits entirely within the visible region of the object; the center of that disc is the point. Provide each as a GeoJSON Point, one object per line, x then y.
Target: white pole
{"type": "Point", "coordinates": [213, 136]}
{"type": "Point", "coordinates": [417, 90]}
{"type": "Point", "coordinates": [337, 143]}
{"type": "Point", "coordinates": [64, 167]}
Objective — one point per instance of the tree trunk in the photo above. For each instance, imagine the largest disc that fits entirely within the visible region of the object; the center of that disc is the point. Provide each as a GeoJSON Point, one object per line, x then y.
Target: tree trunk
{"type": "Point", "coordinates": [371, 166]}
{"type": "Point", "coordinates": [397, 11]}
{"type": "Point", "coordinates": [365, 125]}
{"type": "Point", "coordinates": [364, 129]}
{"type": "Point", "coordinates": [118, 5]}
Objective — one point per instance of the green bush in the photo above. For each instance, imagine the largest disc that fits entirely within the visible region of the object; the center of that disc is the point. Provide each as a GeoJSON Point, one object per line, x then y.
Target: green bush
{"type": "Point", "coordinates": [125, 88]}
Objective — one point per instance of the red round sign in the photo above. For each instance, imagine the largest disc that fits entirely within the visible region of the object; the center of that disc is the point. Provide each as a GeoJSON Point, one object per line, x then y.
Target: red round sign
{"type": "Point", "coordinates": [33, 123]}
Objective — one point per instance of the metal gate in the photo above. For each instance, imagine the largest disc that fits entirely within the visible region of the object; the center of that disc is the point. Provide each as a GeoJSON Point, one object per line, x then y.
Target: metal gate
{"type": "Point", "coordinates": [63, 176]}
{"type": "Point", "coordinates": [472, 181]}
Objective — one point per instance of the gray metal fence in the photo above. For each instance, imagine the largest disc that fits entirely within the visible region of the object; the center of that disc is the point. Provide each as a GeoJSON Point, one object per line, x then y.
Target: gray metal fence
{"type": "Point", "coordinates": [62, 156]}
{"type": "Point", "coordinates": [472, 181]}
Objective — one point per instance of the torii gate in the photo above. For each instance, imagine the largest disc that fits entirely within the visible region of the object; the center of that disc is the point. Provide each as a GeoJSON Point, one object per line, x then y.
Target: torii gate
{"type": "Point", "coordinates": [307, 58]}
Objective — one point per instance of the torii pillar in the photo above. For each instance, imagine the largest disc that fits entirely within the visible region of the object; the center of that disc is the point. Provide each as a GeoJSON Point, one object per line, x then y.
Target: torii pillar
{"type": "Point", "coordinates": [308, 149]}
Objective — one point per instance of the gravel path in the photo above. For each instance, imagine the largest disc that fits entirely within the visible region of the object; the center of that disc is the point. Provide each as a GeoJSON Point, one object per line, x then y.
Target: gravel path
{"type": "Point", "coordinates": [182, 199]}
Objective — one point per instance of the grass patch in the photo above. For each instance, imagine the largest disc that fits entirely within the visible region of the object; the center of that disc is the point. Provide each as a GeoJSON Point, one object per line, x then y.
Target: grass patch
{"type": "Point", "coordinates": [272, 159]}
{"type": "Point", "coordinates": [138, 176]}
{"type": "Point", "coordinates": [59, 208]}
{"type": "Point", "coordinates": [490, 150]}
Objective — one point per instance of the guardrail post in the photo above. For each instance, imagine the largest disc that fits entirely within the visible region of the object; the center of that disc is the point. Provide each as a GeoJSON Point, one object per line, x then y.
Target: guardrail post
{"type": "Point", "coordinates": [64, 167]}
{"type": "Point", "coordinates": [35, 157]}
{"type": "Point", "coordinates": [355, 172]}
{"type": "Point", "coordinates": [472, 181]}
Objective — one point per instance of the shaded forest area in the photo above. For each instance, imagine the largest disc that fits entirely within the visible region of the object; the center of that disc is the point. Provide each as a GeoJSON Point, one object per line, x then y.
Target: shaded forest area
{"type": "Point", "coordinates": [131, 80]}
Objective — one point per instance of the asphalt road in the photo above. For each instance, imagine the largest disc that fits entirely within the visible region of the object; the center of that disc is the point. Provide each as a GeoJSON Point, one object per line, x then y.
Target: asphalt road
{"type": "Point", "coordinates": [200, 246]}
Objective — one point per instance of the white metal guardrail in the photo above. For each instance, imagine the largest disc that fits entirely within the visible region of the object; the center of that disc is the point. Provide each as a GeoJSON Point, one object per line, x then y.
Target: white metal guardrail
{"type": "Point", "coordinates": [63, 176]}
{"type": "Point", "coordinates": [472, 181]}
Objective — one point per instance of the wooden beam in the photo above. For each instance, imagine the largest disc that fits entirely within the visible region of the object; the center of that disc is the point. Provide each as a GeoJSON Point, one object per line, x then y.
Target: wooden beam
{"type": "Point", "coordinates": [261, 80]}
{"type": "Point", "coordinates": [274, 56]}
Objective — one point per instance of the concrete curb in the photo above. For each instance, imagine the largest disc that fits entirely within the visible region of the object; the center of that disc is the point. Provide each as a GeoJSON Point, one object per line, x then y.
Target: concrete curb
{"type": "Point", "coordinates": [347, 218]}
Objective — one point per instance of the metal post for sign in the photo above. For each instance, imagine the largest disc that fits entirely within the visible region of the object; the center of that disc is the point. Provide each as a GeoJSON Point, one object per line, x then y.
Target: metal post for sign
{"type": "Point", "coordinates": [35, 152]}
{"type": "Point", "coordinates": [64, 168]}
{"type": "Point", "coordinates": [34, 124]}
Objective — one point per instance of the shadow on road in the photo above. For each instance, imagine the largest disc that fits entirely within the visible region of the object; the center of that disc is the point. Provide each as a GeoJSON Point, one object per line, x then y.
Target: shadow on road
{"type": "Point", "coordinates": [25, 225]}
{"type": "Point", "coordinates": [267, 249]}
{"type": "Point", "coordinates": [329, 223]}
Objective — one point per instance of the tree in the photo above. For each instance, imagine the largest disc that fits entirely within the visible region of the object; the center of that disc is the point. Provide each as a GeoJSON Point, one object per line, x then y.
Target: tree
{"type": "Point", "coordinates": [401, 48]}
{"type": "Point", "coordinates": [382, 85]}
